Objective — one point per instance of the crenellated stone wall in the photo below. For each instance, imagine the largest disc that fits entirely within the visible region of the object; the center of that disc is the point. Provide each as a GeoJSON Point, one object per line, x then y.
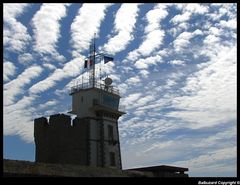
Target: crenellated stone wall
{"type": "Point", "coordinates": [84, 142]}
{"type": "Point", "coordinates": [57, 141]}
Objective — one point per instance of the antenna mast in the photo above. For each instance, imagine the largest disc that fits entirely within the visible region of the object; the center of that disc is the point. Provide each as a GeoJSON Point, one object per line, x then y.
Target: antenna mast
{"type": "Point", "coordinates": [92, 60]}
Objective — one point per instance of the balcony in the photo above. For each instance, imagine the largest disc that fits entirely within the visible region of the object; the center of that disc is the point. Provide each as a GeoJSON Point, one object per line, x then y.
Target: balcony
{"type": "Point", "coordinates": [98, 106]}
{"type": "Point", "coordinates": [97, 85]}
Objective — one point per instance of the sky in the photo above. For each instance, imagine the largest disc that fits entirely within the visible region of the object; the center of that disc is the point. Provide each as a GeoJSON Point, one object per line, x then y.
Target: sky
{"type": "Point", "coordinates": [174, 64]}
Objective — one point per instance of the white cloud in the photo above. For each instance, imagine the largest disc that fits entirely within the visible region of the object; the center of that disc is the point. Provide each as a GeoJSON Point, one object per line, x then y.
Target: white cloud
{"type": "Point", "coordinates": [208, 102]}
{"type": "Point", "coordinates": [218, 138]}
{"type": "Point", "coordinates": [196, 8]}
{"type": "Point", "coordinates": [143, 101]}
{"type": "Point", "coordinates": [177, 62]}
{"type": "Point", "coordinates": [180, 21]}
{"type": "Point", "coordinates": [18, 119]}
{"type": "Point", "coordinates": [157, 146]}
{"type": "Point", "coordinates": [144, 73]}
{"type": "Point", "coordinates": [70, 69]}
{"type": "Point", "coordinates": [123, 88]}
{"type": "Point", "coordinates": [153, 34]}
{"type": "Point", "coordinates": [140, 64]}
{"type": "Point", "coordinates": [136, 100]}
{"type": "Point", "coordinates": [215, 162]}
{"type": "Point", "coordinates": [108, 68]}
{"type": "Point", "coordinates": [152, 41]}
{"type": "Point", "coordinates": [169, 83]}
{"type": "Point", "coordinates": [229, 24]}
{"type": "Point", "coordinates": [143, 149]}
{"type": "Point", "coordinates": [183, 40]}
{"type": "Point", "coordinates": [48, 104]}
{"type": "Point", "coordinates": [211, 39]}
{"type": "Point", "coordinates": [15, 35]}
{"type": "Point", "coordinates": [223, 9]}
{"type": "Point", "coordinates": [49, 66]}
{"type": "Point", "coordinates": [46, 27]}
{"type": "Point", "coordinates": [12, 10]}
{"type": "Point", "coordinates": [130, 99]}
{"type": "Point", "coordinates": [85, 24]}
{"type": "Point", "coordinates": [229, 9]}
{"type": "Point", "coordinates": [123, 25]}
{"type": "Point", "coordinates": [155, 16]}
{"type": "Point", "coordinates": [145, 63]}
{"type": "Point", "coordinates": [15, 87]}
{"type": "Point", "coordinates": [60, 92]}
{"type": "Point", "coordinates": [25, 58]}
{"type": "Point", "coordinates": [133, 80]}
{"type": "Point", "coordinates": [181, 17]}
{"type": "Point", "coordinates": [188, 10]}
{"type": "Point", "coordinates": [8, 70]}
{"type": "Point", "coordinates": [207, 106]}
{"type": "Point", "coordinates": [214, 31]}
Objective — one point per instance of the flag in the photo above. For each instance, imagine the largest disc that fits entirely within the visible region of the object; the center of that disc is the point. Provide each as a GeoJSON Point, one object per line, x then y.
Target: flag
{"type": "Point", "coordinates": [90, 63]}
{"type": "Point", "coordinates": [85, 63]}
{"type": "Point", "coordinates": [107, 59]}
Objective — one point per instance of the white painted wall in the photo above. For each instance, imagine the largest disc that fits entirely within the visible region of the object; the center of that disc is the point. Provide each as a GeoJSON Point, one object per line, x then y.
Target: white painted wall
{"type": "Point", "coordinates": [82, 108]}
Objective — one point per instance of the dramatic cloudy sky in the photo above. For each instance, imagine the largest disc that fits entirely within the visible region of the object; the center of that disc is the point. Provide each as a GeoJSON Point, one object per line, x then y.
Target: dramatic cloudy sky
{"type": "Point", "coordinates": [175, 66]}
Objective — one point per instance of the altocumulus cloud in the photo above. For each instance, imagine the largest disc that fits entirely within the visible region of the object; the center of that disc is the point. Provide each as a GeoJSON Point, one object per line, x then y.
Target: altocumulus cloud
{"type": "Point", "coordinates": [175, 66]}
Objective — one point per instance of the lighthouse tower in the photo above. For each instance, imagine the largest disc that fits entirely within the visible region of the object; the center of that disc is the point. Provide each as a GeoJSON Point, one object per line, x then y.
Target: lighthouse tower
{"type": "Point", "coordinates": [98, 102]}
{"type": "Point", "coordinates": [92, 138]}
{"type": "Point", "coordinates": [99, 106]}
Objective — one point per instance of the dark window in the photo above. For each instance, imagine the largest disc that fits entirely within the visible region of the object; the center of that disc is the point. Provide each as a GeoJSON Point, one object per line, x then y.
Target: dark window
{"type": "Point", "coordinates": [110, 101]}
{"type": "Point", "coordinates": [110, 132]}
{"type": "Point", "coordinates": [112, 159]}
{"type": "Point", "coordinates": [82, 98]}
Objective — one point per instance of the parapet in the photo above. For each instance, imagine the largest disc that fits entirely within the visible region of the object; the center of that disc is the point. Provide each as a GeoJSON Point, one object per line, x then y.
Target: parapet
{"type": "Point", "coordinates": [54, 120]}
{"type": "Point", "coordinates": [58, 121]}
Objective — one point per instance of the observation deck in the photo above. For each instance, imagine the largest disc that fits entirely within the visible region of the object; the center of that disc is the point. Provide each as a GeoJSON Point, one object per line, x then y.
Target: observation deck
{"type": "Point", "coordinates": [97, 85]}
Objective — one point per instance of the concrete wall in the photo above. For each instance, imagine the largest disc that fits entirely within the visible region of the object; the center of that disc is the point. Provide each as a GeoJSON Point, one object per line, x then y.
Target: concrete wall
{"type": "Point", "coordinates": [82, 101]}
{"type": "Point", "coordinates": [112, 147]}
{"type": "Point", "coordinates": [99, 143]}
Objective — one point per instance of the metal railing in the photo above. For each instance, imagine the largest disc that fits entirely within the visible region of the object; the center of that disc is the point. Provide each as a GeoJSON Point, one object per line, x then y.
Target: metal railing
{"type": "Point", "coordinates": [97, 85]}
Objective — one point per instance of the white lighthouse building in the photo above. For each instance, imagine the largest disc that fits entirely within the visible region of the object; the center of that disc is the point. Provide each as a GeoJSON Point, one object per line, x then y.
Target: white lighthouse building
{"type": "Point", "coordinates": [99, 104]}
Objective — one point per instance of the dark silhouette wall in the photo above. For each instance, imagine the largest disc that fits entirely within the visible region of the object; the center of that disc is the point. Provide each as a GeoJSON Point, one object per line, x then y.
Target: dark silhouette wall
{"type": "Point", "coordinates": [57, 141]}
{"type": "Point", "coordinates": [84, 142]}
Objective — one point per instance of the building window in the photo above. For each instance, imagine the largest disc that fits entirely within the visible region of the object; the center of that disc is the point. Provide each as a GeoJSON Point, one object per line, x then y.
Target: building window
{"type": "Point", "coordinates": [112, 159]}
{"type": "Point", "coordinates": [110, 133]}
